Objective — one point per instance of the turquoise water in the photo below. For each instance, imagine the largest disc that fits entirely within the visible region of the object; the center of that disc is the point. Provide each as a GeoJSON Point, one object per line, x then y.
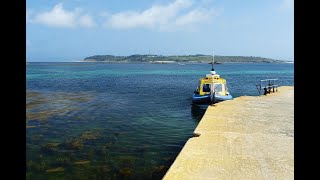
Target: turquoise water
{"type": "Point", "coordinates": [120, 121]}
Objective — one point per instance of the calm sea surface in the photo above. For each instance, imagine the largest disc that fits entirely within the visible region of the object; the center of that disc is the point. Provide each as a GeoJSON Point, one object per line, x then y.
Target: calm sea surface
{"type": "Point", "coordinates": [120, 121]}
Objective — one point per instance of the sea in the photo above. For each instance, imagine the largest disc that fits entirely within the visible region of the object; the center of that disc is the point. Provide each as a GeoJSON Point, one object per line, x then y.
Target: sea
{"type": "Point", "coordinates": [89, 120]}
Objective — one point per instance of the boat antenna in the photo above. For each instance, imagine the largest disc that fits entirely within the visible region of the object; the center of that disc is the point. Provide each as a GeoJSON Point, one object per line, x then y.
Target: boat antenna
{"type": "Point", "coordinates": [212, 69]}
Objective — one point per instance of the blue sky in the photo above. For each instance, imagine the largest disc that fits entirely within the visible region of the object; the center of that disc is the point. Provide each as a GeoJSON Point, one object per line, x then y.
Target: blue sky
{"type": "Point", "coordinates": [70, 30]}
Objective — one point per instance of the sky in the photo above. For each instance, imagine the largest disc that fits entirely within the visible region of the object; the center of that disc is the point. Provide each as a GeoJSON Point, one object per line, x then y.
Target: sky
{"type": "Point", "coordinates": [70, 30]}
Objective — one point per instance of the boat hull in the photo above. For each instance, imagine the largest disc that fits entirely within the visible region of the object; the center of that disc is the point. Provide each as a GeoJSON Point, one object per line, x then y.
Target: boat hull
{"type": "Point", "coordinates": [200, 98]}
{"type": "Point", "coordinates": [196, 98]}
{"type": "Point", "coordinates": [223, 98]}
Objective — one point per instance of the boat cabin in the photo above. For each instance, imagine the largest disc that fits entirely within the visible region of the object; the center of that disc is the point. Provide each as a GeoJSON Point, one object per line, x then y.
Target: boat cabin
{"type": "Point", "coordinates": [219, 85]}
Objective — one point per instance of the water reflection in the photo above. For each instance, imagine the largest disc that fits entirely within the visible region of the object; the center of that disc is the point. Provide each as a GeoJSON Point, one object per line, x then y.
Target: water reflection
{"type": "Point", "coordinates": [198, 110]}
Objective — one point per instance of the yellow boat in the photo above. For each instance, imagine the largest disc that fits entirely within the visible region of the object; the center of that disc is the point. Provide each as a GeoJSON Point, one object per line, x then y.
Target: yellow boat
{"type": "Point", "coordinates": [212, 88]}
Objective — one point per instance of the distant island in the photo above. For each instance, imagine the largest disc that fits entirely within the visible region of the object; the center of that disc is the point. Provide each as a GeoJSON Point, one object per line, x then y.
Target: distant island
{"type": "Point", "coordinates": [198, 58]}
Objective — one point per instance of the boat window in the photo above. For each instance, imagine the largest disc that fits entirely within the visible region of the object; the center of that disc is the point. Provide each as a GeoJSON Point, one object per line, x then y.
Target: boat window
{"type": "Point", "coordinates": [217, 87]}
{"type": "Point", "coordinates": [206, 87]}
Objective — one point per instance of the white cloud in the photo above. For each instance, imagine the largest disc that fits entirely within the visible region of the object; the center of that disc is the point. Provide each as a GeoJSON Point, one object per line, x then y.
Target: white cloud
{"type": "Point", "coordinates": [196, 15]}
{"type": "Point", "coordinates": [86, 21]}
{"type": "Point", "coordinates": [176, 14]}
{"type": "Point", "coordinates": [59, 17]}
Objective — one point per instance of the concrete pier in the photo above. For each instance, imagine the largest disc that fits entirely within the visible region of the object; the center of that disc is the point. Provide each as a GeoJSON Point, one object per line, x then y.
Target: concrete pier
{"type": "Point", "coordinates": [249, 137]}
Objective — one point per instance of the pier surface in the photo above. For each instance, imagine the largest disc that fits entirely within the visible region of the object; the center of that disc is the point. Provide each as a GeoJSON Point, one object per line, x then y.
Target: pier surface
{"type": "Point", "coordinates": [249, 137]}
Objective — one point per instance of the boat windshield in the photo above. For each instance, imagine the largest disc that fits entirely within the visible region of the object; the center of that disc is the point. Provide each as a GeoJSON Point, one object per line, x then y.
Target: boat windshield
{"type": "Point", "coordinates": [206, 87]}
{"type": "Point", "coordinates": [217, 87]}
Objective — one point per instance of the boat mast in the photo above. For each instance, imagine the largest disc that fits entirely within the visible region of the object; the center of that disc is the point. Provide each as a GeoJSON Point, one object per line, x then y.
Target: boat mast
{"type": "Point", "coordinates": [212, 69]}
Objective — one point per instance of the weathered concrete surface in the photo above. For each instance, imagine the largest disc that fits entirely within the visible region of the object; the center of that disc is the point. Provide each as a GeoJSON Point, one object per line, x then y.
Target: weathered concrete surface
{"type": "Point", "coordinates": [245, 138]}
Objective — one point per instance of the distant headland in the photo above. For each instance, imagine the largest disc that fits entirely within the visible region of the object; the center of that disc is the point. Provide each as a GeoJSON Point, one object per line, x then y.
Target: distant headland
{"type": "Point", "coordinates": [197, 58]}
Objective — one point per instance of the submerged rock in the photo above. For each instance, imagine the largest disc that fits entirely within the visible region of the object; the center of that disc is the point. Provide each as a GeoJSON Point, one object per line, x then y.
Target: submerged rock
{"type": "Point", "coordinates": [72, 144]}
{"type": "Point", "coordinates": [50, 147]}
{"type": "Point", "coordinates": [41, 107]}
{"type": "Point", "coordinates": [63, 160]}
{"type": "Point", "coordinates": [82, 162]}
{"type": "Point", "coordinates": [125, 172]}
{"type": "Point", "coordinates": [76, 145]}
{"type": "Point", "coordinates": [89, 135]}
{"type": "Point", "coordinates": [58, 169]}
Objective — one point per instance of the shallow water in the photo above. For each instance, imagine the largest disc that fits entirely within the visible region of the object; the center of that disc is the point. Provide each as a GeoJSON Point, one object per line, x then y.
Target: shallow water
{"type": "Point", "coordinates": [120, 121]}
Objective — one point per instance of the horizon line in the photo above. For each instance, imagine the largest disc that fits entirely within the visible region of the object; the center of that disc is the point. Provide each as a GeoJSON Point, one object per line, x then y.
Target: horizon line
{"type": "Point", "coordinates": [291, 60]}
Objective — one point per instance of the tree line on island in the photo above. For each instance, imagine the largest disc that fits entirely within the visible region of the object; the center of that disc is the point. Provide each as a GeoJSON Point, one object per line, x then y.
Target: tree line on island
{"type": "Point", "coordinates": [197, 58]}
